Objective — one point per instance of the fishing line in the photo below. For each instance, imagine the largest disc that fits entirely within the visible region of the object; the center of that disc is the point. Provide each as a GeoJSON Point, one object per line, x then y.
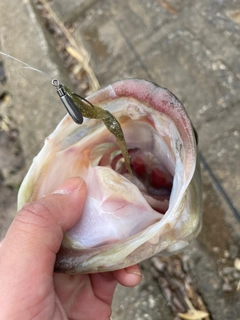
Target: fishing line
{"type": "Point", "coordinates": [27, 66]}
{"type": "Point", "coordinates": [30, 77]}
{"type": "Point", "coordinates": [67, 101]}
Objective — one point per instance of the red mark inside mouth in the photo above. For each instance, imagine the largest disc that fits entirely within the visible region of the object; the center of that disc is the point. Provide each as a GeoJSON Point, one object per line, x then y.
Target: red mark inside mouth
{"type": "Point", "coordinates": [150, 176]}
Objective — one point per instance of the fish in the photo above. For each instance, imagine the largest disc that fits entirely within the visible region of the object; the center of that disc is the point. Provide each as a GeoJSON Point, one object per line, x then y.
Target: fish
{"type": "Point", "coordinates": [129, 215]}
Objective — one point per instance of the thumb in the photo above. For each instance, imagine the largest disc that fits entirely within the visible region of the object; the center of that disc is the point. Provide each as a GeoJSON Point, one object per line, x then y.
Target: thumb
{"type": "Point", "coordinates": [32, 241]}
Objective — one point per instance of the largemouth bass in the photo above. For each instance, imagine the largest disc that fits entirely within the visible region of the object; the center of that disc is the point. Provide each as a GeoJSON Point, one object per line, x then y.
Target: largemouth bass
{"type": "Point", "coordinates": [127, 217]}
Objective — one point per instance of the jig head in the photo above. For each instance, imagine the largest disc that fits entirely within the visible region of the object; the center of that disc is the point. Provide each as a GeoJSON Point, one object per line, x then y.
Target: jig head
{"type": "Point", "coordinates": [68, 103]}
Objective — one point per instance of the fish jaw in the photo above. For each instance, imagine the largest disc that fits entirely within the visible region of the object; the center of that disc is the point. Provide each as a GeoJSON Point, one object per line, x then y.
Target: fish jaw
{"type": "Point", "coordinates": [155, 124]}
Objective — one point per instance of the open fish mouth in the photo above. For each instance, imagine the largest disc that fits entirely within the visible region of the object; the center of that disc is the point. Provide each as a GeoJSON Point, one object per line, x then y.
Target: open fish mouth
{"type": "Point", "coordinates": [127, 218]}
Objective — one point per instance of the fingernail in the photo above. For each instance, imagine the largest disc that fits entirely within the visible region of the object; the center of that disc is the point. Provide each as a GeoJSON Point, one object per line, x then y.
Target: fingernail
{"type": "Point", "coordinates": [134, 270]}
{"type": "Point", "coordinates": [69, 186]}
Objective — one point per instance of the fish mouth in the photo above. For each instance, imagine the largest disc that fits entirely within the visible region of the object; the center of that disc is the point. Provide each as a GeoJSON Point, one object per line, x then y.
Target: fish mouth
{"type": "Point", "coordinates": [140, 200]}
{"type": "Point", "coordinates": [156, 208]}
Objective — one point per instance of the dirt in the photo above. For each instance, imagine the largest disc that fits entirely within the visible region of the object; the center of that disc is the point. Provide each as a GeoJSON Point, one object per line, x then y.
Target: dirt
{"type": "Point", "coordinates": [11, 159]}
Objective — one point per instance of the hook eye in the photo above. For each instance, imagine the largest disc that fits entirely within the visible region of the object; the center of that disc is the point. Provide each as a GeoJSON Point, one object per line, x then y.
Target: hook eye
{"type": "Point", "coordinates": [56, 83]}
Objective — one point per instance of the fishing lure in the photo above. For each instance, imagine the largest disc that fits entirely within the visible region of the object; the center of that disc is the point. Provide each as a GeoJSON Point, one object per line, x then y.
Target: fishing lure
{"type": "Point", "coordinates": [79, 107]}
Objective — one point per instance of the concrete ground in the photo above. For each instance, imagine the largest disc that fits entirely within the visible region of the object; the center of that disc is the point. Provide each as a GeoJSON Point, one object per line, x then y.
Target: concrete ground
{"type": "Point", "coordinates": [190, 47]}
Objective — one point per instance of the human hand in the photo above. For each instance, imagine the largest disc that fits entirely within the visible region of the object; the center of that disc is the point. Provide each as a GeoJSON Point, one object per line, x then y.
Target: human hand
{"type": "Point", "coordinates": [29, 289]}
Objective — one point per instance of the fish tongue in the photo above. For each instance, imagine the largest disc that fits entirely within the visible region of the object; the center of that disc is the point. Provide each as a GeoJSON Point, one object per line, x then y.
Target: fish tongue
{"type": "Point", "coordinates": [114, 210]}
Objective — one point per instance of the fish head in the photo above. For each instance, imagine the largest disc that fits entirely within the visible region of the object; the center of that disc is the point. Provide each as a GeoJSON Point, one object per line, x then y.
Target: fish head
{"type": "Point", "coordinates": [126, 218]}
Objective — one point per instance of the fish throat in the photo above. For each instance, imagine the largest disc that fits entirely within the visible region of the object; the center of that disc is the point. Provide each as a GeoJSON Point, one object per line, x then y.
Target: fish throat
{"type": "Point", "coordinates": [149, 174]}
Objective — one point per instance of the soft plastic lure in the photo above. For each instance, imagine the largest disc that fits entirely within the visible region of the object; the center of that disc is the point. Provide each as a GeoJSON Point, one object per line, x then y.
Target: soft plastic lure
{"type": "Point", "coordinates": [79, 107]}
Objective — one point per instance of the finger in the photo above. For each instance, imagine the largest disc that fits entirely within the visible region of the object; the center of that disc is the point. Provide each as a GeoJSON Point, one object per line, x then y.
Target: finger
{"type": "Point", "coordinates": [128, 277]}
{"type": "Point", "coordinates": [32, 241]}
{"type": "Point", "coordinates": [104, 284]}
{"type": "Point", "coordinates": [79, 293]}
